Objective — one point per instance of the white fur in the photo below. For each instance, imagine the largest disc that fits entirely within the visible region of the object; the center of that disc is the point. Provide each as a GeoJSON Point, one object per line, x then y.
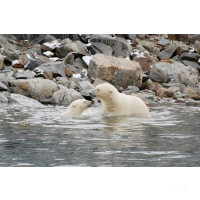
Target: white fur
{"type": "Point", "coordinates": [119, 104]}
{"type": "Point", "coordinates": [77, 107]}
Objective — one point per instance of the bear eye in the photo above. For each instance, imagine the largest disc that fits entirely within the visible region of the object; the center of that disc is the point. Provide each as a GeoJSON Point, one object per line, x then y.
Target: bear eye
{"type": "Point", "coordinates": [85, 102]}
{"type": "Point", "coordinates": [98, 89]}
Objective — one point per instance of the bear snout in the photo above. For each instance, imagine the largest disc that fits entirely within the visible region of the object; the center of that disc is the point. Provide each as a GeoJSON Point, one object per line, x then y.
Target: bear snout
{"type": "Point", "coordinates": [93, 94]}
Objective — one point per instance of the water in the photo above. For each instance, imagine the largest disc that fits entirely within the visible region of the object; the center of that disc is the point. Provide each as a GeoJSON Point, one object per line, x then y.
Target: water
{"type": "Point", "coordinates": [170, 137]}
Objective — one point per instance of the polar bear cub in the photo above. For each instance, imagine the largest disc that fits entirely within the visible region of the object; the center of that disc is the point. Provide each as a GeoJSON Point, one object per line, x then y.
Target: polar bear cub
{"type": "Point", "coordinates": [117, 103]}
{"type": "Point", "coordinates": [77, 107]}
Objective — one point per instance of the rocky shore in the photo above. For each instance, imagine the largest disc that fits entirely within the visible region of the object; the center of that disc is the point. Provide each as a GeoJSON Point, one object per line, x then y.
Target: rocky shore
{"type": "Point", "coordinates": [58, 69]}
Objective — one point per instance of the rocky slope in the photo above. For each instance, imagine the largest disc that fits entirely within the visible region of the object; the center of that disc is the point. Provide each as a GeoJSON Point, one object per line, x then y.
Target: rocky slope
{"type": "Point", "coordinates": [58, 69]}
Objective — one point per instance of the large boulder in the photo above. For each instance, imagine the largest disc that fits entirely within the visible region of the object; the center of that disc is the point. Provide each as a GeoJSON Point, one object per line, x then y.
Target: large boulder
{"type": "Point", "coordinates": [164, 72]}
{"type": "Point", "coordinates": [76, 46]}
{"type": "Point", "coordinates": [117, 71]}
{"type": "Point", "coordinates": [193, 93]}
{"type": "Point", "coordinates": [57, 68]}
{"type": "Point", "coordinates": [65, 96]}
{"type": "Point", "coordinates": [120, 48]}
{"type": "Point", "coordinates": [38, 89]}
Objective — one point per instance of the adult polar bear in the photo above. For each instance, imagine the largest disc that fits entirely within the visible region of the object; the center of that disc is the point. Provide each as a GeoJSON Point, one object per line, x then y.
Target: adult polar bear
{"type": "Point", "coordinates": [118, 103]}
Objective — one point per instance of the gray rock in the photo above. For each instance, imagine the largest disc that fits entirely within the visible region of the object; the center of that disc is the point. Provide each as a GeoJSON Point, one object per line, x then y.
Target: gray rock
{"type": "Point", "coordinates": [117, 71]}
{"type": "Point", "coordinates": [190, 56]}
{"type": "Point", "coordinates": [3, 87]}
{"type": "Point", "coordinates": [119, 47]}
{"type": "Point", "coordinates": [63, 81]}
{"type": "Point", "coordinates": [1, 62]}
{"type": "Point", "coordinates": [79, 64]}
{"type": "Point", "coordinates": [65, 97]}
{"type": "Point", "coordinates": [33, 63]}
{"type": "Point", "coordinates": [192, 64]}
{"type": "Point", "coordinates": [163, 42]}
{"type": "Point", "coordinates": [150, 46]}
{"type": "Point", "coordinates": [26, 101]}
{"type": "Point", "coordinates": [6, 98]}
{"type": "Point", "coordinates": [177, 72]}
{"type": "Point", "coordinates": [36, 88]}
{"type": "Point", "coordinates": [85, 85]}
{"type": "Point", "coordinates": [57, 68]}
{"type": "Point", "coordinates": [62, 51]}
{"type": "Point", "coordinates": [69, 59]}
{"type": "Point", "coordinates": [147, 97]}
{"type": "Point", "coordinates": [100, 48]}
{"type": "Point", "coordinates": [131, 90]}
{"type": "Point", "coordinates": [24, 74]}
{"type": "Point", "coordinates": [168, 52]}
{"type": "Point", "coordinates": [179, 85]}
{"type": "Point", "coordinates": [72, 68]}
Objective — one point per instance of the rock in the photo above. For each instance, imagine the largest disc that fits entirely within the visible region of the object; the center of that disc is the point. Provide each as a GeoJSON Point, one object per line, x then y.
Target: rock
{"type": "Point", "coordinates": [26, 101]}
{"type": "Point", "coordinates": [100, 48]}
{"type": "Point", "coordinates": [65, 97]}
{"type": "Point", "coordinates": [120, 48]}
{"type": "Point", "coordinates": [34, 88]}
{"type": "Point", "coordinates": [57, 68]}
{"type": "Point", "coordinates": [150, 85]}
{"type": "Point", "coordinates": [17, 64]}
{"type": "Point", "coordinates": [62, 51]}
{"type": "Point", "coordinates": [8, 50]}
{"type": "Point", "coordinates": [131, 90]}
{"type": "Point", "coordinates": [197, 45]}
{"type": "Point", "coordinates": [168, 52]}
{"type": "Point", "coordinates": [69, 59]}
{"type": "Point", "coordinates": [48, 75]}
{"type": "Point", "coordinates": [140, 48]}
{"type": "Point", "coordinates": [191, 102]}
{"type": "Point", "coordinates": [192, 64]}
{"type": "Point", "coordinates": [117, 71]}
{"type": "Point", "coordinates": [188, 77]}
{"type": "Point", "coordinates": [165, 72]}
{"type": "Point", "coordinates": [145, 61]}
{"type": "Point", "coordinates": [163, 42]}
{"type": "Point", "coordinates": [50, 46]}
{"type": "Point", "coordinates": [1, 62]}
{"type": "Point", "coordinates": [86, 88]}
{"type": "Point", "coordinates": [190, 56]}
{"type": "Point", "coordinates": [21, 74]}
{"type": "Point", "coordinates": [63, 81]}
{"type": "Point", "coordinates": [192, 93]}
{"type": "Point", "coordinates": [147, 97]}
{"type": "Point", "coordinates": [150, 46]}
{"type": "Point", "coordinates": [68, 72]}
{"type": "Point", "coordinates": [3, 87]}
{"type": "Point", "coordinates": [77, 46]}
{"type": "Point", "coordinates": [48, 53]}
{"type": "Point", "coordinates": [180, 85]}
{"type": "Point", "coordinates": [79, 64]}
{"type": "Point", "coordinates": [6, 98]}
{"type": "Point", "coordinates": [72, 68]}
{"type": "Point", "coordinates": [170, 92]}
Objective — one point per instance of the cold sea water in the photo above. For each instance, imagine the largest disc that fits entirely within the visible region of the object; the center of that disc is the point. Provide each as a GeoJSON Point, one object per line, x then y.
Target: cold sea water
{"type": "Point", "coordinates": [37, 135]}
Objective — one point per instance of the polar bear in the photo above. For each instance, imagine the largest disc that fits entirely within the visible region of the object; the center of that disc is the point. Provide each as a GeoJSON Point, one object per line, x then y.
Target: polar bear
{"type": "Point", "coordinates": [117, 103]}
{"type": "Point", "coordinates": [77, 107]}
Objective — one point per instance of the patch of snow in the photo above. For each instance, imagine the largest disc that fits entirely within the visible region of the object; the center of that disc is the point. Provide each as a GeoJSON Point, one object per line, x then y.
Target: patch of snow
{"type": "Point", "coordinates": [48, 53]}
{"type": "Point", "coordinates": [129, 41]}
{"type": "Point", "coordinates": [25, 66]}
{"type": "Point", "coordinates": [137, 53]}
{"type": "Point", "coordinates": [84, 73]}
{"type": "Point", "coordinates": [87, 59]}
{"type": "Point", "coordinates": [54, 44]}
{"type": "Point", "coordinates": [2, 49]}
{"type": "Point", "coordinates": [199, 60]}
{"type": "Point", "coordinates": [127, 58]}
{"type": "Point", "coordinates": [191, 49]}
{"type": "Point", "coordinates": [54, 58]}
{"type": "Point", "coordinates": [88, 45]}
{"type": "Point", "coordinates": [28, 56]}
{"type": "Point", "coordinates": [19, 70]}
{"type": "Point", "coordinates": [77, 75]}
{"type": "Point", "coordinates": [15, 62]}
